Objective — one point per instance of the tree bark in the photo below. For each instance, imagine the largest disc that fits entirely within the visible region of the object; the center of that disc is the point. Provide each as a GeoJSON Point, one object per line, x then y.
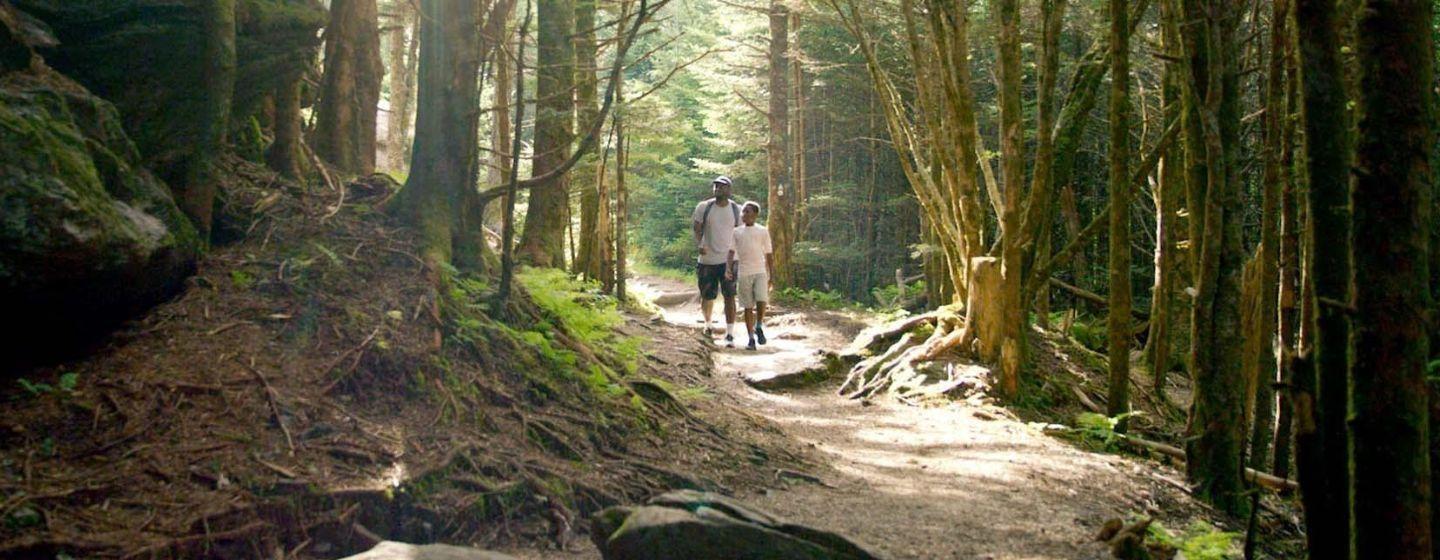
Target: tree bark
{"type": "Point", "coordinates": [1216, 430]}
{"type": "Point", "coordinates": [439, 192]}
{"type": "Point", "coordinates": [543, 241]}
{"type": "Point", "coordinates": [285, 153]}
{"type": "Point", "coordinates": [402, 84]}
{"type": "Point", "coordinates": [1263, 422]}
{"type": "Point", "coordinates": [1012, 159]}
{"type": "Point", "coordinates": [1321, 395]}
{"type": "Point", "coordinates": [587, 106]}
{"type": "Point", "coordinates": [350, 89]}
{"type": "Point", "coordinates": [1389, 412]}
{"type": "Point", "coordinates": [1159, 353]}
{"type": "Point", "coordinates": [196, 195]}
{"type": "Point", "coordinates": [777, 150]}
{"type": "Point", "coordinates": [1118, 402]}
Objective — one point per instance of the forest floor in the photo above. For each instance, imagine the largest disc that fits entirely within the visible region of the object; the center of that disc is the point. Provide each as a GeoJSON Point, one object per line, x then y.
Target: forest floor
{"type": "Point", "coordinates": [961, 480]}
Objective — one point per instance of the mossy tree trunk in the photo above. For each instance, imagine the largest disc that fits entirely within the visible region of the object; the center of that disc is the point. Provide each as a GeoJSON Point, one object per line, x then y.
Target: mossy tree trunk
{"type": "Point", "coordinates": [1289, 299]}
{"type": "Point", "coordinates": [284, 153]}
{"type": "Point", "coordinates": [1118, 402]}
{"type": "Point", "coordinates": [350, 89]}
{"type": "Point", "coordinates": [1321, 396]}
{"type": "Point", "coordinates": [1216, 429]}
{"type": "Point", "coordinates": [441, 185]}
{"type": "Point", "coordinates": [543, 241]}
{"type": "Point", "coordinates": [1012, 165]}
{"type": "Point", "coordinates": [196, 194]}
{"type": "Point", "coordinates": [1389, 412]}
{"type": "Point", "coordinates": [777, 149]}
{"type": "Point", "coordinates": [1158, 348]}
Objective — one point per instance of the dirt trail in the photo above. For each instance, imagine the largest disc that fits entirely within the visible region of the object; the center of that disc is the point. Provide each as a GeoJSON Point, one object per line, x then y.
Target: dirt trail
{"type": "Point", "coordinates": [923, 483]}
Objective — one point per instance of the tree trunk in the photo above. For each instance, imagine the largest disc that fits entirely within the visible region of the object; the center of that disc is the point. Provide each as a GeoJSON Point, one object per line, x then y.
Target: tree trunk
{"type": "Point", "coordinates": [196, 195]}
{"type": "Point", "coordinates": [444, 168]}
{"type": "Point", "coordinates": [1039, 206]}
{"type": "Point", "coordinates": [1389, 408]}
{"type": "Point", "coordinates": [622, 196]}
{"type": "Point", "coordinates": [502, 137]}
{"type": "Point", "coordinates": [777, 156]}
{"type": "Point", "coordinates": [587, 106]}
{"type": "Point", "coordinates": [402, 82]}
{"type": "Point", "coordinates": [1012, 159]}
{"type": "Point", "coordinates": [1216, 430]}
{"type": "Point", "coordinates": [284, 153]}
{"type": "Point", "coordinates": [1118, 402]}
{"type": "Point", "coordinates": [1321, 401]}
{"type": "Point", "coordinates": [543, 242]}
{"type": "Point", "coordinates": [1269, 252]}
{"type": "Point", "coordinates": [1159, 352]}
{"type": "Point", "coordinates": [350, 90]}
{"type": "Point", "coordinates": [1289, 297]}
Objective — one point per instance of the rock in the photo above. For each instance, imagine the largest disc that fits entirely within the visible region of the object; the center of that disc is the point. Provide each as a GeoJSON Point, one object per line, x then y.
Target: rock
{"type": "Point", "coordinates": [831, 366]}
{"type": "Point", "coordinates": [693, 525]}
{"type": "Point", "coordinates": [90, 236]}
{"type": "Point", "coordinates": [390, 550]}
{"type": "Point", "coordinates": [141, 56]}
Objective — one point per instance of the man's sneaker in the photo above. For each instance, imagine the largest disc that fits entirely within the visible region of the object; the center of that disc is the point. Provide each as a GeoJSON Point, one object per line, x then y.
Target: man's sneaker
{"type": "Point", "coordinates": [759, 334]}
{"type": "Point", "coordinates": [750, 346]}
{"type": "Point", "coordinates": [729, 341]}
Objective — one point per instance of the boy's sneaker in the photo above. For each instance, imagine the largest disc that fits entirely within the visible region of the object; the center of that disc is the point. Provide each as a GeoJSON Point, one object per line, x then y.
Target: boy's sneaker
{"type": "Point", "coordinates": [729, 341]}
{"type": "Point", "coordinates": [750, 346]}
{"type": "Point", "coordinates": [759, 334]}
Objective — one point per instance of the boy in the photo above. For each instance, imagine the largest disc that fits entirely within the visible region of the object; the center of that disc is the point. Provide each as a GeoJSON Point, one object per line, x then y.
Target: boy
{"type": "Point", "coordinates": [751, 263]}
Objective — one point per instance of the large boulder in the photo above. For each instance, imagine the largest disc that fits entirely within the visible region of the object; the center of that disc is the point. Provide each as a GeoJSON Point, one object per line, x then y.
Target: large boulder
{"type": "Point", "coordinates": [90, 236]}
{"type": "Point", "coordinates": [692, 525]}
{"type": "Point", "coordinates": [142, 56]}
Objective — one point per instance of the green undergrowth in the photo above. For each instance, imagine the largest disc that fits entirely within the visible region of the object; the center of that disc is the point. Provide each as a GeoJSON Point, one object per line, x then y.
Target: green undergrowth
{"type": "Point", "coordinates": [584, 311]}
{"type": "Point", "coordinates": [1199, 541]}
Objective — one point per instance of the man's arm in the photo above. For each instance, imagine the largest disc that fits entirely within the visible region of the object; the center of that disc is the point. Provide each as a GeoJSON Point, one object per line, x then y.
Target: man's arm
{"type": "Point", "coordinates": [730, 265]}
{"type": "Point", "coordinates": [698, 229]}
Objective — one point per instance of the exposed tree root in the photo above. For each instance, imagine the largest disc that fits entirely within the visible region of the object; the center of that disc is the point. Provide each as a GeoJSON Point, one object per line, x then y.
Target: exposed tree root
{"type": "Point", "coordinates": [903, 369]}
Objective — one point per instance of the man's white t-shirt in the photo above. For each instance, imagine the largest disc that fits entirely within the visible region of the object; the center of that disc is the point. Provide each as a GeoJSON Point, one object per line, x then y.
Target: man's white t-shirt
{"type": "Point", "coordinates": [716, 237]}
{"type": "Point", "coordinates": [752, 243]}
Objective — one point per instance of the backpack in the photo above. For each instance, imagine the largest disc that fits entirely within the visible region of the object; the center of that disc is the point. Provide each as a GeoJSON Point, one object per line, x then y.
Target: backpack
{"type": "Point", "coordinates": [704, 218]}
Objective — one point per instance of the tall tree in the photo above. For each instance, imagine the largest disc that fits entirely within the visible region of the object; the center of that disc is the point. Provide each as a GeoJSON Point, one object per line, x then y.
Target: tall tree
{"type": "Point", "coordinates": [439, 197]}
{"type": "Point", "coordinates": [196, 194]}
{"type": "Point", "coordinates": [1216, 429]}
{"type": "Point", "coordinates": [587, 104]}
{"type": "Point", "coordinates": [1389, 412]}
{"type": "Point", "coordinates": [543, 241]}
{"type": "Point", "coordinates": [1321, 396]}
{"type": "Point", "coordinates": [1119, 313]}
{"type": "Point", "coordinates": [1269, 250]}
{"type": "Point", "coordinates": [402, 84]}
{"type": "Point", "coordinates": [344, 132]}
{"type": "Point", "coordinates": [777, 150]}
{"type": "Point", "coordinates": [1012, 164]}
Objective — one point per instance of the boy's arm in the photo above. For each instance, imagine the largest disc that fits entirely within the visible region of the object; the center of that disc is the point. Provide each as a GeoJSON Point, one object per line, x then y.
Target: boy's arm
{"type": "Point", "coordinates": [770, 268]}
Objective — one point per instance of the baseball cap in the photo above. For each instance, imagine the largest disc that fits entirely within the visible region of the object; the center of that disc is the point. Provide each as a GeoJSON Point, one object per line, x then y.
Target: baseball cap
{"type": "Point", "coordinates": [722, 180]}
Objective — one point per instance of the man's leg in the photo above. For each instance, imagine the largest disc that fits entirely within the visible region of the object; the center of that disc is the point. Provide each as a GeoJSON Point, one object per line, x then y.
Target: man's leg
{"type": "Point", "coordinates": [709, 288]}
{"type": "Point", "coordinates": [727, 289]}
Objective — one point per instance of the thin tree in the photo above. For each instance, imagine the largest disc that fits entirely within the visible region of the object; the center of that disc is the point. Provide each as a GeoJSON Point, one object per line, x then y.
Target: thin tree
{"type": "Point", "coordinates": [777, 149]}
{"type": "Point", "coordinates": [402, 85]}
{"type": "Point", "coordinates": [1269, 251]}
{"type": "Point", "coordinates": [1389, 412]}
{"type": "Point", "coordinates": [1118, 402]}
{"type": "Point", "coordinates": [195, 195]}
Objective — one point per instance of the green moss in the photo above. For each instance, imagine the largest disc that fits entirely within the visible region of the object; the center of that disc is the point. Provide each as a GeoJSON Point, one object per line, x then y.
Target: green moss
{"type": "Point", "coordinates": [1200, 541]}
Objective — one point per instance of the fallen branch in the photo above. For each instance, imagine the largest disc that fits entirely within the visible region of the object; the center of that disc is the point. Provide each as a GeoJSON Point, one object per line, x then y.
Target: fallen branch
{"type": "Point", "coordinates": [274, 408]}
{"type": "Point", "coordinates": [1093, 297]}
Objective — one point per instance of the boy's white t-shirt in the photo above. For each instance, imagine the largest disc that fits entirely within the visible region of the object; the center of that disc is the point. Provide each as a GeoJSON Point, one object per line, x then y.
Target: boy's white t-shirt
{"type": "Point", "coordinates": [752, 243]}
{"type": "Point", "coordinates": [716, 236]}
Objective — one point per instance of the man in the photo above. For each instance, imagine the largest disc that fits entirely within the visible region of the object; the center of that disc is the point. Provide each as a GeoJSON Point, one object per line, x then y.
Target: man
{"type": "Point", "coordinates": [752, 263]}
{"type": "Point", "coordinates": [714, 223]}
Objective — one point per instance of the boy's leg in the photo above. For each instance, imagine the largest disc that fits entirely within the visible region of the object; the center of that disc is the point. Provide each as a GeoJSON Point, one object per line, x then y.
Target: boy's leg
{"type": "Point", "coordinates": [762, 298]}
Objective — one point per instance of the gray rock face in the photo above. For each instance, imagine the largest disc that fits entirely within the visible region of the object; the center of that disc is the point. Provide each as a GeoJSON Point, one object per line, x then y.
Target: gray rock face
{"type": "Point", "coordinates": [390, 550]}
{"type": "Point", "coordinates": [692, 525]}
{"type": "Point", "coordinates": [89, 235]}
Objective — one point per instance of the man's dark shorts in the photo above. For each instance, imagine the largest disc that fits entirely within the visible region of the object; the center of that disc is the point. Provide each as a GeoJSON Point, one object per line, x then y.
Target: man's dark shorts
{"type": "Point", "coordinates": [712, 281]}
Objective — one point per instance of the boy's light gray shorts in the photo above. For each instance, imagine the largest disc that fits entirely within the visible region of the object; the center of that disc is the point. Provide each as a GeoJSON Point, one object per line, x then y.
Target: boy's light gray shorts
{"type": "Point", "coordinates": [753, 288]}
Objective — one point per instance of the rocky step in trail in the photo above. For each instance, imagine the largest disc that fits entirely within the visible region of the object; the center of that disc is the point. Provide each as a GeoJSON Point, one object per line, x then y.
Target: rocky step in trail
{"type": "Point", "coordinates": [906, 482]}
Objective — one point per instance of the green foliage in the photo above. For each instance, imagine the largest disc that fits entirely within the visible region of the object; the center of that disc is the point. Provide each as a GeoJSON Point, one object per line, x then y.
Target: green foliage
{"type": "Point", "coordinates": [241, 279]}
{"type": "Point", "coordinates": [819, 299]}
{"type": "Point", "coordinates": [1097, 431]}
{"type": "Point", "coordinates": [65, 385]}
{"type": "Point", "coordinates": [1198, 542]}
{"type": "Point", "coordinates": [888, 297]}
